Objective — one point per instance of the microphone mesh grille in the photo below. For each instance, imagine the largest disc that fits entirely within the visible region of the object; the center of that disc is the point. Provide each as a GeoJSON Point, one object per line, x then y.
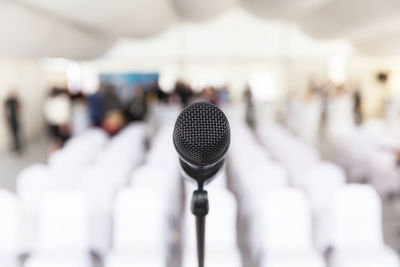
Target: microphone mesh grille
{"type": "Point", "coordinates": [201, 134]}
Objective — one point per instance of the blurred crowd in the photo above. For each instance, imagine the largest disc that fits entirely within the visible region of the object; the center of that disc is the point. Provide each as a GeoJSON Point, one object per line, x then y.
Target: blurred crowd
{"type": "Point", "coordinates": [67, 114]}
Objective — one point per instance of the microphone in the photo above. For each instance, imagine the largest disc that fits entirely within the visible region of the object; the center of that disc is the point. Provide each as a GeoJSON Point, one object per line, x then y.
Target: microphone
{"type": "Point", "coordinates": [201, 138]}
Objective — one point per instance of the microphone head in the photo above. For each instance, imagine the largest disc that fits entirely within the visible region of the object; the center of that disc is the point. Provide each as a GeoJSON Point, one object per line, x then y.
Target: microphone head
{"type": "Point", "coordinates": [201, 137]}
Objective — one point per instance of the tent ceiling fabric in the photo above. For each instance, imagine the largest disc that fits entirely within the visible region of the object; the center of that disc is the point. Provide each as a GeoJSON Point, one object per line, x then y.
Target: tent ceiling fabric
{"type": "Point", "coordinates": [283, 9]}
{"type": "Point", "coordinates": [132, 18]}
{"type": "Point", "coordinates": [381, 39]}
{"type": "Point", "coordinates": [84, 29]}
{"type": "Point", "coordinates": [343, 18]}
{"type": "Point", "coordinates": [30, 34]}
{"type": "Point", "coordinates": [195, 10]}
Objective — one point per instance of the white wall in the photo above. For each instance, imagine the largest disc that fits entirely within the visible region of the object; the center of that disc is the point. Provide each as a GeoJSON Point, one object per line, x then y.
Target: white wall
{"type": "Point", "coordinates": [26, 77]}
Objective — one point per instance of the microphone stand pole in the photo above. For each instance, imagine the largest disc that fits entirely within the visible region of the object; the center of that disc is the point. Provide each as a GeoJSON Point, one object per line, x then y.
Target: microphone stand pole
{"type": "Point", "coordinates": [199, 208]}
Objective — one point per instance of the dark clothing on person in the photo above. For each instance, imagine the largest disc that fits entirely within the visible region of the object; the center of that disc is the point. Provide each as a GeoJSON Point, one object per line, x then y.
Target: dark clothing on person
{"type": "Point", "coordinates": [12, 109]}
{"type": "Point", "coordinates": [95, 109]}
{"type": "Point", "coordinates": [110, 101]}
{"type": "Point", "coordinates": [136, 109]}
{"type": "Point", "coordinates": [357, 107]}
{"type": "Point", "coordinates": [184, 92]}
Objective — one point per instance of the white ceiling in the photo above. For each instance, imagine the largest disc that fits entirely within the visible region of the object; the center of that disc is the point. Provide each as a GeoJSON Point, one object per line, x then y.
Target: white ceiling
{"type": "Point", "coordinates": [87, 28]}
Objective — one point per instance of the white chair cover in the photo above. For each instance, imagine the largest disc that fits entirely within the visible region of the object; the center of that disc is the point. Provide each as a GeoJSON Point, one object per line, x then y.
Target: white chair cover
{"type": "Point", "coordinates": [357, 230]}
{"type": "Point", "coordinates": [10, 226]}
{"type": "Point", "coordinates": [63, 224]}
{"type": "Point", "coordinates": [286, 233]}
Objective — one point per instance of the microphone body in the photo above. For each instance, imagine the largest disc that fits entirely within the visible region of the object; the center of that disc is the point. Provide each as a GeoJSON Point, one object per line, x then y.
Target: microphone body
{"type": "Point", "coordinates": [201, 138]}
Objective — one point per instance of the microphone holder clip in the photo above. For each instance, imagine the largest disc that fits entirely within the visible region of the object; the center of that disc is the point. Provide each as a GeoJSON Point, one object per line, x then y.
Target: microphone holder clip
{"type": "Point", "coordinates": [199, 208]}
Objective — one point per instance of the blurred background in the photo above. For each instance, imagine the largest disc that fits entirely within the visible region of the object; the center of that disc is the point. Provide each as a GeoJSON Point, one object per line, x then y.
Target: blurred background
{"type": "Point", "coordinates": [90, 91]}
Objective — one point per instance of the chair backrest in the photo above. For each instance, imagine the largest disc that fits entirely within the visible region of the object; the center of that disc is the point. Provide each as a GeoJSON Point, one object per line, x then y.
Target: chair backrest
{"type": "Point", "coordinates": [99, 188]}
{"type": "Point", "coordinates": [286, 221]}
{"type": "Point", "coordinates": [94, 138]}
{"type": "Point", "coordinates": [220, 223]}
{"type": "Point", "coordinates": [265, 177]}
{"type": "Point", "coordinates": [63, 224]}
{"type": "Point", "coordinates": [79, 151]}
{"type": "Point", "coordinates": [130, 141]}
{"type": "Point", "coordinates": [32, 184]}
{"type": "Point", "coordinates": [162, 180]}
{"type": "Point", "coordinates": [290, 151]}
{"type": "Point", "coordinates": [9, 223]}
{"type": "Point", "coordinates": [322, 182]}
{"type": "Point", "coordinates": [140, 223]}
{"type": "Point", "coordinates": [156, 176]}
{"type": "Point", "coordinates": [357, 222]}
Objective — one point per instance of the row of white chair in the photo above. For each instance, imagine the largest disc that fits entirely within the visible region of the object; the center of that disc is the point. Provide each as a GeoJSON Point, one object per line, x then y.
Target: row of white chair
{"type": "Point", "coordinates": [140, 232]}
{"type": "Point", "coordinates": [296, 156]}
{"type": "Point", "coordinates": [104, 166]}
{"type": "Point", "coordinates": [338, 212]}
{"type": "Point", "coordinates": [330, 208]}
{"type": "Point", "coordinates": [147, 213]}
{"type": "Point", "coordinates": [253, 174]}
{"type": "Point", "coordinates": [368, 153]}
{"type": "Point", "coordinates": [270, 206]}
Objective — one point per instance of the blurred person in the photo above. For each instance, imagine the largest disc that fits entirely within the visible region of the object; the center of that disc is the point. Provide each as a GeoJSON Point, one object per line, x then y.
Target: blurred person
{"type": "Point", "coordinates": [250, 110]}
{"type": "Point", "coordinates": [95, 110]}
{"type": "Point", "coordinates": [136, 108]}
{"type": "Point", "coordinates": [113, 122]}
{"type": "Point", "coordinates": [161, 95]}
{"type": "Point", "coordinates": [223, 95]}
{"type": "Point", "coordinates": [184, 92]}
{"type": "Point", "coordinates": [113, 117]}
{"type": "Point", "coordinates": [80, 118]}
{"type": "Point", "coordinates": [12, 108]}
{"type": "Point", "coordinates": [324, 93]}
{"type": "Point", "coordinates": [109, 99]}
{"type": "Point", "coordinates": [357, 98]}
{"type": "Point", "coordinates": [57, 114]}
{"type": "Point", "coordinates": [209, 94]}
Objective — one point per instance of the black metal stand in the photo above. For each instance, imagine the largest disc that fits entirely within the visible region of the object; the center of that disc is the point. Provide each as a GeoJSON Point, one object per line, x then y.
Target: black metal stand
{"type": "Point", "coordinates": [199, 208]}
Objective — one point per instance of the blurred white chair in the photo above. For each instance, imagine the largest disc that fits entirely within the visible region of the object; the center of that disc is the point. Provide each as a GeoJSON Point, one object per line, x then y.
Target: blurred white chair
{"type": "Point", "coordinates": [256, 183]}
{"type": "Point", "coordinates": [101, 180]}
{"type": "Point", "coordinates": [286, 233]}
{"type": "Point", "coordinates": [77, 153]}
{"type": "Point", "coordinates": [165, 114]}
{"type": "Point", "coordinates": [92, 138]}
{"type": "Point", "coordinates": [164, 181]}
{"type": "Point", "coordinates": [290, 151]}
{"type": "Point", "coordinates": [63, 238]}
{"type": "Point", "coordinates": [356, 156]}
{"type": "Point", "coordinates": [130, 142]}
{"type": "Point", "coordinates": [32, 184]}
{"type": "Point", "coordinates": [99, 190]}
{"type": "Point", "coordinates": [311, 116]}
{"type": "Point", "coordinates": [322, 182]}
{"type": "Point", "coordinates": [357, 229]}
{"type": "Point", "coordinates": [59, 261]}
{"type": "Point", "coordinates": [66, 210]}
{"type": "Point", "coordinates": [384, 173]}
{"type": "Point", "coordinates": [220, 241]}
{"type": "Point", "coordinates": [162, 152]}
{"type": "Point", "coordinates": [140, 230]}
{"type": "Point", "coordinates": [10, 234]}
{"type": "Point", "coordinates": [340, 119]}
